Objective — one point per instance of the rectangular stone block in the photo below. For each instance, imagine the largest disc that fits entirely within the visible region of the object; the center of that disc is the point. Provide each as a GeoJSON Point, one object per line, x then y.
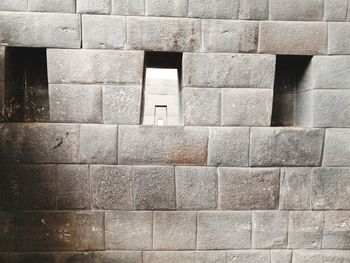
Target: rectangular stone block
{"type": "Point", "coordinates": [281, 256]}
{"type": "Point", "coordinates": [247, 107]}
{"type": "Point", "coordinates": [184, 256]}
{"type": "Point", "coordinates": [162, 145]}
{"type": "Point", "coordinates": [223, 230]}
{"type": "Point", "coordinates": [128, 7]}
{"type": "Point", "coordinates": [293, 38]}
{"type": "Point", "coordinates": [40, 30]}
{"type": "Point", "coordinates": [240, 70]}
{"type": "Point", "coordinates": [98, 144]}
{"type": "Point", "coordinates": [117, 257]}
{"type": "Point", "coordinates": [227, 9]}
{"type": "Point", "coordinates": [196, 188]}
{"type": "Point", "coordinates": [95, 66]}
{"type": "Point", "coordinates": [338, 39]}
{"type": "Point", "coordinates": [337, 147]}
{"type": "Point", "coordinates": [111, 187]}
{"type": "Point", "coordinates": [336, 232]}
{"type": "Point", "coordinates": [317, 256]}
{"type": "Point", "coordinates": [13, 5]}
{"type": "Point", "coordinates": [32, 257]}
{"type": "Point", "coordinates": [245, 188]}
{"type": "Point", "coordinates": [254, 9]}
{"type": "Point", "coordinates": [83, 257]}
{"type": "Point", "coordinates": [128, 230]}
{"type": "Point", "coordinates": [54, 6]}
{"type": "Point", "coordinates": [94, 6]}
{"type": "Point", "coordinates": [167, 8]}
{"type": "Point", "coordinates": [230, 36]}
{"type": "Point", "coordinates": [163, 34]}
{"type": "Point", "coordinates": [228, 146]}
{"type": "Point", "coordinates": [7, 232]}
{"type": "Point", "coordinates": [286, 146]}
{"type": "Point", "coordinates": [248, 256]}
{"type": "Point", "coordinates": [335, 10]}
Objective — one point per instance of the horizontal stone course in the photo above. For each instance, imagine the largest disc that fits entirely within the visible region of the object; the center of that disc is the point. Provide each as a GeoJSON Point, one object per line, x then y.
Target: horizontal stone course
{"type": "Point", "coordinates": [184, 256]}
{"type": "Point", "coordinates": [55, 6]}
{"type": "Point", "coordinates": [317, 256]}
{"type": "Point", "coordinates": [117, 256]}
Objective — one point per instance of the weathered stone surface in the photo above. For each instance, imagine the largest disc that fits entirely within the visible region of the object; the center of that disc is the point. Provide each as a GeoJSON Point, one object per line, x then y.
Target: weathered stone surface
{"type": "Point", "coordinates": [128, 7]}
{"type": "Point", "coordinates": [295, 188]}
{"type": "Point", "coordinates": [228, 146]}
{"type": "Point", "coordinates": [162, 145]}
{"type": "Point", "coordinates": [246, 256]}
{"type": "Point", "coordinates": [32, 257]}
{"type": "Point", "coordinates": [7, 231]}
{"type": "Point", "coordinates": [213, 8]}
{"type": "Point", "coordinates": [122, 105]}
{"type": "Point", "coordinates": [337, 148]}
{"type": "Point", "coordinates": [117, 257]}
{"type": "Point", "coordinates": [336, 232]}
{"type": "Point", "coordinates": [72, 257]}
{"type": "Point", "coordinates": [75, 103]}
{"type": "Point", "coordinates": [40, 30]}
{"type": "Point", "coordinates": [154, 188]}
{"type": "Point", "coordinates": [95, 66]}
{"type": "Point", "coordinates": [163, 34]}
{"type": "Point", "coordinates": [305, 229]}
{"type": "Point", "coordinates": [253, 9]}
{"type": "Point", "coordinates": [98, 144]}
{"type": "Point", "coordinates": [196, 188]}
{"type": "Point", "coordinates": [270, 229]}
{"type": "Point", "coordinates": [245, 188]}
{"type": "Point", "coordinates": [103, 31]}
{"type": "Point", "coordinates": [128, 230]}
{"type": "Point", "coordinates": [286, 146]}
{"type": "Point", "coordinates": [90, 230]}
{"type": "Point", "coordinates": [240, 70]}
{"type": "Point", "coordinates": [56, 6]}
{"type": "Point", "coordinates": [13, 5]}
{"type": "Point", "coordinates": [166, 8]}
{"type": "Point", "coordinates": [201, 106]}
{"type": "Point", "coordinates": [185, 256]}
{"type": "Point", "coordinates": [293, 38]}
{"type": "Point", "coordinates": [223, 230]}
{"type": "Point", "coordinates": [335, 10]}
{"type": "Point", "coordinates": [230, 36]}
{"type": "Point", "coordinates": [323, 256]}
{"type": "Point", "coordinates": [94, 6]}
{"type": "Point", "coordinates": [247, 107]}
{"type": "Point", "coordinates": [281, 256]}
{"type": "Point", "coordinates": [111, 187]}
{"type": "Point", "coordinates": [338, 38]}
{"type": "Point", "coordinates": [174, 230]}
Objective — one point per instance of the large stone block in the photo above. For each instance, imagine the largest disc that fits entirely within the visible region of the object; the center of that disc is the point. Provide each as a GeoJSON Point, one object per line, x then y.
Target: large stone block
{"type": "Point", "coordinates": [13, 5]}
{"type": "Point", "coordinates": [335, 10]}
{"type": "Point", "coordinates": [117, 257]}
{"type": "Point", "coordinates": [54, 6]}
{"type": "Point", "coordinates": [293, 38]}
{"type": "Point", "coordinates": [162, 145]}
{"type": "Point", "coordinates": [163, 34]}
{"type": "Point", "coordinates": [167, 8]}
{"type": "Point", "coordinates": [94, 6]}
{"type": "Point", "coordinates": [239, 70]}
{"type": "Point", "coordinates": [326, 256]}
{"type": "Point", "coordinates": [248, 256]}
{"type": "Point", "coordinates": [281, 256]}
{"type": "Point", "coordinates": [40, 30]}
{"type": "Point", "coordinates": [128, 7]}
{"type": "Point", "coordinates": [7, 231]}
{"type": "Point", "coordinates": [95, 66]}
{"type": "Point", "coordinates": [128, 230]}
{"type": "Point", "coordinates": [227, 9]}
{"type": "Point", "coordinates": [184, 256]}
{"type": "Point", "coordinates": [223, 230]}
{"type": "Point", "coordinates": [336, 232]}
{"type": "Point", "coordinates": [254, 9]}
{"type": "Point", "coordinates": [230, 36]}
{"type": "Point", "coordinates": [286, 146]}
{"type": "Point", "coordinates": [337, 148]}
{"type": "Point", "coordinates": [338, 38]}
{"type": "Point", "coordinates": [245, 188]}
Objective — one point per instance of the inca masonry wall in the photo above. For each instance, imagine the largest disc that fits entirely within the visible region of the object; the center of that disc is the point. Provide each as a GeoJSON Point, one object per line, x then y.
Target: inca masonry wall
{"type": "Point", "coordinates": [92, 184]}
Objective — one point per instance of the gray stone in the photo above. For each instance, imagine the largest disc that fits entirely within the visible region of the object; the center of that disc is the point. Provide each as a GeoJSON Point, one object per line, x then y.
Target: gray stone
{"type": "Point", "coordinates": [32, 257]}
{"type": "Point", "coordinates": [162, 145]}
{"type": "Point", "coordinates": [7, 231]}
{"type": "Point", "coordinates": [166, 7]}
{"type": "Point", "coordinates": [230, 36]}
{"type": "Point", "coordinates": [40, 30]}
{"type": "Point", "coordinates": [201, 106]}
{"type": "Point", "coordinates": [228, 146]}
{"type": "Point", "coordinates": [254, 9]}
{"type": "Point", "coordinates": [75, 103]}
{"type": "Point", "coordinates": [13, 5]}
{"type": "Point", "coordinates": [196, 188]}
{"type": "Point", "coordinates": [128, 230]}
{"type": "Point", "coordinates": [293, 38]}
{"type": "Point", "coordinates": [213, 8]}
{"type": "Point", "coordinates": [248, 256]}
{"type": "Point", "coordinates": [245, 188]}
{"type": "Point", "coordinates": [2, 64]}
{"type": "Point", "coordinates": [128, 7]}
{"type": "Point", "coordinates": [305, 230]}
{"type": "Point", "coordinates": [184, 256]}
{"type": "Point", "coordinates": [94, 6]}
{"type": "Point", "coordinates": [122, 105]}
{"type": "Point", "coordinates": [281, 256]}
{"type": "Point", "coordinates": [337, 148]}
{"type": "Point", "coordinates": [247, 107]}
{"type": "Point", "coordinates": [295, 189]}
{"type": "Point", "coordinates": [154, 188]}
{"type": "Point", "coordinates": [321, 256]}
{"type": "Point", "coordinates": [95, 66]}
{"type": "Point", "coordinates": [117, 257]}
{"type": "Point", "coordinates": [336, 232]}
{"type": "Point", "coordinates": [111, 187]}
{"type": "Point", "coordinates": [223, 230]}
{"type": "Point", "coordinates": [54, 6]}
{"type": "Point", "coordinates": [335, 10]}
{"type": "Point", "coordinates": [71, 257]}
{"type": "Point", "coordinates": [338, 38]}
{"type": "Point", "coordinates": [286, 146]}
{"type": "Point", "coordinates": [103, 31]}
{"type": "Point", "coordinates": [270, 229]}
{"type": "Point", "coordinates": [174, 230]}
{"type": "Point", "coordinates": [98, 144]}
{"type": "Point", "coordinates": [163, 34]}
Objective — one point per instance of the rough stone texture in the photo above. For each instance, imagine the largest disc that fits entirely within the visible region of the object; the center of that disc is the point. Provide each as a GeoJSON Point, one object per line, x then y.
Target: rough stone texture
{"type": "Point", "coordinates": [13, 5]}
{"type": "Point", "coordinates": [185, 256]}
{"type": "Point", "coordinates": [227, 9]}
{"type": "Point", "coordinates": [94, 6]}
{"type": "Point", "coordinates": [295, 188]}
{"type": "Point", "coordinates": [249, 9]}
{"type": "Point", "coordinates": [228, 146]}
{"type": "Point", "coordinates": [95, 66]}
{"type": "Point", "coordinates": [117, 257]}
{"type": "Point", "coordinates": [98, 144]}
{"type": "Point", "coordinates": [7, 231]}
{"type": "Point", "coordinates": [270, 229]}
{"type": "Point", "coordinates": [154, 188]}
{"type": "Point", "coordinates": [293, 38]}
{"type": "Point", "coordinates": [338, 38]}
{"type": "Point", "coordinates": [162, 145]}
{"type": "Point", "coordinates": [103, 31]}
{"type": "Point", "coordinates": [245, 188]}
{"type": "Point", "coordinates": [75, 103]}
{"type": "Point", "coordinates": [128, 7]}
{"type": "Point", "coordinates": [230, 36]}
{"type": "Point", "coordinates": [172, 34]}
{"type": "Point", "coordinates": [247, 107]}
{"type": "Point", "coordinates": [281, 256]}
{"type": "Point", "coordinates": [323, 256]}
{"type": "Point", "coordinates": [57, 6]}
{"type": "Point", "coordinates": [337, 148]}
{"type": "Point", "coordinates": [121, 104]}
{"type": "Point", "coordinates": [240, 70]}
{"type": "Point", "coordinates": [223, 230]}
{"type": "Point", "coordinates": [196, 188]}
{"type": "Point", "coordinates": [305, 230]}
{"type": "Point", "coordinates": [286, 146]}
{"type": "Point", "coordinates": [336, 232]}
{"type": "Point", "coordinates": [247, 256]}
{"type": "Point", "coordinates": [128, 230]}
{"type": "Point", "coordinates": [335, 10]}
{"type": "Point", "coordinates": [166, 8]}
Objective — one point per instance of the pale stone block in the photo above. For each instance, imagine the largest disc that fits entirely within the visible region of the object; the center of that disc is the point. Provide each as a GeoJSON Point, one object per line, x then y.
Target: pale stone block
{"type": "Point", "coordinates": [336, 233]}
{"type": "Point", "coordinates": [117, 257]}
{"type": "Point", "coordinates": [13, 5]}
{"type": "Point", "coordinates": [184, 256]}
{"type": "Point", "coordinates": [254, 9]}
{"type": "Point", "coordinates": [317, 256]}
{"type": "Point", "coordinates": [128, 7]}
{"type": "Point", "coordinates": [248, 256]}
{"type": "Point", "coordinates": [167, 7]}
{"type": "Point", "coordinates": [94, 6]}
{"type": "Point", "coordinates": [54, 6]}
{"type": "Point", "coordinates": [337, 148]}
{"type": "Point", "coordinates": [335, 10]}
{"type": "Point", "coordinates": [227, 9]}
{"type": "Point", "coordinates": [281, 256]}
{"type": "Point", "coordinates": [338, 39]}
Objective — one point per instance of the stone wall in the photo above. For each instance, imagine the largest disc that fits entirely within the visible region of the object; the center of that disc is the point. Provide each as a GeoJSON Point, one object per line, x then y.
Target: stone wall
{"type": "Point", "coordinates": [88, 183]}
